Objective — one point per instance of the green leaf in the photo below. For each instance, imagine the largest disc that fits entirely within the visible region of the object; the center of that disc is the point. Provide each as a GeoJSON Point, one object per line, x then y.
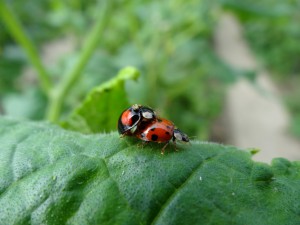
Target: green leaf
{"type": "Point", "coordinates": [52, 176]}
{"type": "Point", "coordinates": [102, 107]}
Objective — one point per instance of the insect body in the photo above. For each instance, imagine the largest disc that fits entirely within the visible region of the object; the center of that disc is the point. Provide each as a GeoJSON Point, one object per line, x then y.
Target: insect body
{"type": "Point", "coordinates": [141, 122]}
{"type": "Point", "coordinates": [161, 131]}
{"type": "Point", "coordinates": [130, 118]}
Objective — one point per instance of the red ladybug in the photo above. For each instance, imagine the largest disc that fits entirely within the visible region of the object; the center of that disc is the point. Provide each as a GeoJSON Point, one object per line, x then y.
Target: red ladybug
{"type": "Point", "coordinates": [161, 131]}
{"type": "Point", "coordinates": [132, 117]}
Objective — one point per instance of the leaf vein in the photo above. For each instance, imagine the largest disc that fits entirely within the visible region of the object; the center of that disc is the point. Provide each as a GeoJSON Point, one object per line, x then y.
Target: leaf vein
{"type": "Point", "coordinates": [172, 196]}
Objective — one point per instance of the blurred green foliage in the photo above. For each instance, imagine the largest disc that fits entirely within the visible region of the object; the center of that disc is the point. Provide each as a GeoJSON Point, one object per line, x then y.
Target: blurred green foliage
{"type": "Point", "coordinates": [272, 28]}
{"type": "Point", "coordinates": [170, 42]}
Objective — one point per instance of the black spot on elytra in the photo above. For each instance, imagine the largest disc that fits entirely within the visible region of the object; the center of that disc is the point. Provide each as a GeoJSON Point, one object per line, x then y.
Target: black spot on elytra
{"type": "Point", "coordinates": [168, 127]}
{"type": "Point", "coordinates": [167, 133]}
{"type": "Point", "coordinates": [154, 137]}
{"type": "Point", "coordinates": [152, 129]}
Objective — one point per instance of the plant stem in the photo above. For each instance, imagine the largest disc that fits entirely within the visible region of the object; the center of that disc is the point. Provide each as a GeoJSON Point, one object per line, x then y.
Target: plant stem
{"type": "Point", "coordinates": [18, 33]}
{"type": "Point", "coordinates": [58, 95]}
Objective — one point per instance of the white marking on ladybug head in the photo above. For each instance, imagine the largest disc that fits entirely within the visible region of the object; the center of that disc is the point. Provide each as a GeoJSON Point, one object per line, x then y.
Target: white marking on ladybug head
{"type": "Point", "coordinates": [147, 115]}
{"type": "Point", "coordinates": [179, 135]}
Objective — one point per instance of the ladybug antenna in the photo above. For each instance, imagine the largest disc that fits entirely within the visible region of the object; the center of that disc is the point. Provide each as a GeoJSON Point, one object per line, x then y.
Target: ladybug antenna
{"type": "Point", "coordinates": [192, 137]}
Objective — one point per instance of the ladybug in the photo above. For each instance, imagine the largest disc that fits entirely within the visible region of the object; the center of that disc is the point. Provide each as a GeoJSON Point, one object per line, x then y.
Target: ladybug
{"type": "Point", "coordinates": [132, 117]}
{"type": "Point", "coordinates": [161, 131]}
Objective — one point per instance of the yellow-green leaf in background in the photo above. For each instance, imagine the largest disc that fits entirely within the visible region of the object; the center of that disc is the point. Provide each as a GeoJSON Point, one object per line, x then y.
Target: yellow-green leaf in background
{"type": "Point", "coordinates": [102, 107]}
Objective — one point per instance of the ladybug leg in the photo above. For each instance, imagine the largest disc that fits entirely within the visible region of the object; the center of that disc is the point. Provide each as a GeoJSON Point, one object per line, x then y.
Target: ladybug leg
{"type": "Point", "coordinates": [143, 144]}
{"type": "Point", "coordinates": [175, 146]}
{"type": "Point", "coordinates": [174, 142]}
{"type": "Point", "coordinates": [163, 149]}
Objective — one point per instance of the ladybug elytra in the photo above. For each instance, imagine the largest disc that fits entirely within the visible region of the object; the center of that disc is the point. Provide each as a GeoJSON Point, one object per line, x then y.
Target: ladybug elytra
{"type": "Point", "coordinates": [161, 131]}
{"type": "Point", "coordinates": [141, 122]}
{"type": "Point", "coordinates": [131, 117]}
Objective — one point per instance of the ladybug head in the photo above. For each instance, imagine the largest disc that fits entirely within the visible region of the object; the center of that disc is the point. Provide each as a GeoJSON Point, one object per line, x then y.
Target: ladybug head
{"type": "Point", "coordinates": [180, 136]}
{"type": "Point", "coordinates": [147, 113]}
{"type": "Point", "coordinates": [131, 117]}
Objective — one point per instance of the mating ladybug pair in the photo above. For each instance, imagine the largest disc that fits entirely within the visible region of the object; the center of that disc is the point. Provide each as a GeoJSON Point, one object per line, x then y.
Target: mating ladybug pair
{"type": "Point", "coordinates": [141, 122]}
